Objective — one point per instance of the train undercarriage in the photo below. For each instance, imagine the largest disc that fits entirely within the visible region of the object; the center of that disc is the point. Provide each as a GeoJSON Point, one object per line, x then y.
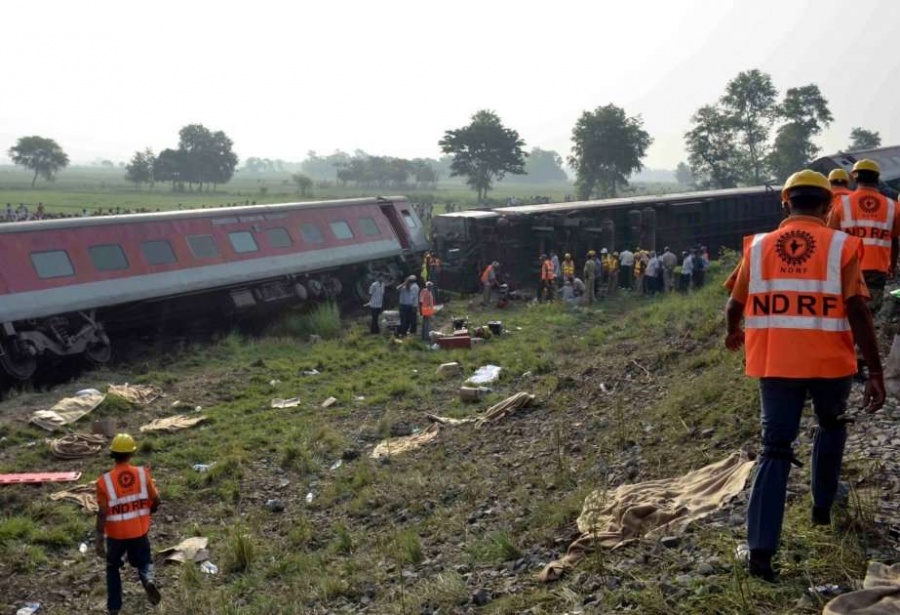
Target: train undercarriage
{"type": "Point", "coordinates": [26, 345]}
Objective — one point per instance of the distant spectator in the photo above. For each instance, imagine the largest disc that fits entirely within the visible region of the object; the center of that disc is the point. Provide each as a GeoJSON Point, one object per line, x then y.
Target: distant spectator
{"type": "Point", "coordinates": [39, 213]}
{"type": "Point", "coordinates": [9, 211]}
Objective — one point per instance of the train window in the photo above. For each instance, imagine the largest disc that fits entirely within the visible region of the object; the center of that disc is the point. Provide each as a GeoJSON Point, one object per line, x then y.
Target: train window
{"type": "Point", "coordinates": [55, 264]}
{"type": "Point", "coordinates": [243, 242]}
{"type": "Point", "coordinates": [410, 221]}
{"type": "Point", "coordinates": [368, 227]}
{"type": "Point", "coordinates": [311, 233]}
{"type": "Point", "coordinates": [341, 230]}
{"type": "Point", "coordinates": [108, 257]}
{"type": "Point", "coordinates": [158, 252]}
{"type": "Point", "coordinates": [203, 246]}
{"type": "Point", "coordinates": [279, 237]}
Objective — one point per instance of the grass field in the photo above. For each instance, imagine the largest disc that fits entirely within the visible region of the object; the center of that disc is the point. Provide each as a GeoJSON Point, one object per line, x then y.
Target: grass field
{"type": "Point", "coordinates": [463, 524]}
{"type": "Point", "coordinates": [97, 187]}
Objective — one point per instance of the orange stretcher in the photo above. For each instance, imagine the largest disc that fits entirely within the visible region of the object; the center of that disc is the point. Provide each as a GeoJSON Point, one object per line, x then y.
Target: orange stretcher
{"type": "Point", "coordinates": [39, 477]}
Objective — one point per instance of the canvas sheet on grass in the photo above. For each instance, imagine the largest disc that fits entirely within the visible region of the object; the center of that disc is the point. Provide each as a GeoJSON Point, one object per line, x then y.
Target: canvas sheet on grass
{"type": "Point", "coordinates": [880, 594]}
{"type": "Point", "coordinates": [67, 411]}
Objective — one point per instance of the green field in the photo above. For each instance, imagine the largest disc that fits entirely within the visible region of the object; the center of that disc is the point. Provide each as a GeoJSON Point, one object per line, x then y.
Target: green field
{"type": "Point", "coordinates": [103, 188]}
{"type": "Point", "coordinates": [623, 390]}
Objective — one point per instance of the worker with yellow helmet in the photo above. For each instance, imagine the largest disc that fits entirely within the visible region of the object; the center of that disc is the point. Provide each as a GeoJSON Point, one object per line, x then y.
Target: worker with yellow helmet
{"type": "Point", "coordinates": [126, 497]}
{"type": "Point", "coordinates": [800, 294]}
{"type": "Point", "coordinates": [874, 218]}
{"type": "Point", "coordinates": [568, 267]}
{"type": "Point", "coordinates": [840, 186]}
{"type": "Point", "coordinates": [590, 276]}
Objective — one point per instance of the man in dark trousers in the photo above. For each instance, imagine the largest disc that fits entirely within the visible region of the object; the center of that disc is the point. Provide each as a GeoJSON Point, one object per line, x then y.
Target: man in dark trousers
{"type": "Point", "coordinates": [126, 497]}
{"type": "Point", "coordinates": [800, 293]}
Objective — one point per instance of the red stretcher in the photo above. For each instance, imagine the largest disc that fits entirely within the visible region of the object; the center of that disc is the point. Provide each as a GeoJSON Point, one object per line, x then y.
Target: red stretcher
{"type": "Point", "coordinates": [39, 477]}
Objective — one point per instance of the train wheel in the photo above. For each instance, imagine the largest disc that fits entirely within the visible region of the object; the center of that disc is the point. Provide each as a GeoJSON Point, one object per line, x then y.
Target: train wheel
{"type": "Point", "coordinates": [18, 365]}
{"type": "Point", "coordinates": [98, 353]}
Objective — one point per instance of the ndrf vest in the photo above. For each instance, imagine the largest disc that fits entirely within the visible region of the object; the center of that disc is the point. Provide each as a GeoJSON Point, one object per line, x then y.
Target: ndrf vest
{"type": "Point", "coordinates": [869, 215]}
{"type": "Point", "coordinates": [127, 509]}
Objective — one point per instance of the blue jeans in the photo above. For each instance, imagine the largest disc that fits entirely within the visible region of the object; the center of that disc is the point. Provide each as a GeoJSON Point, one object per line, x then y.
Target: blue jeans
{"type": "Point", "coordinates": [138, 552]}
{"type": "Point", "coordinates": [426, 327]}
{"type": "Point", "coordinates": [782, 405]}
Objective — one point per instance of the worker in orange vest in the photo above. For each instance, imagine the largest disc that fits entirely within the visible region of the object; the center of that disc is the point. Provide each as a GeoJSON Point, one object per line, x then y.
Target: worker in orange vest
{"type": "Point", "coordinates": [489, 281]}
{"type": "Point", "coordinates": [873, 217]}
{"type": "Point", "coordinates": [548, 279]}
{"type": "Point", "coordinates": [126, 497]}
{"type": "Point", "coordinates": [426, 307]}
{"type": "Point", "coordinates": [801, 295]}
{"type": "Point", "coordinates": [840, 186]}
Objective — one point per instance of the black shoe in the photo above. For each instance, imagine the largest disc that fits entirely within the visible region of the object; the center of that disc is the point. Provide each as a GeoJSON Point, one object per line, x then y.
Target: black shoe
{"type": "Point", "coordinates": [760, 566]}
{"type": "Point", "coordinates": [152, 593]}
{"type": "Point", "coordinates": [821, 516]}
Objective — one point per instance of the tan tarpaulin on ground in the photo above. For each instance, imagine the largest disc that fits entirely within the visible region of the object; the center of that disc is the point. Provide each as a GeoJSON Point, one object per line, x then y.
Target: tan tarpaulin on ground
{"type": "Point", "coordinates": [172, 423]}
{"type": "Point", "coordinates": [188, 550]}
{"type": "Point", "coordinates": [85, 495]}
{"type": "Point", "coordinates": [67, 410]}
{"type": "Point", "coordinates": [495, 413]}
{"type": "Point", "coordinates": [880, 594]}
{"type": "Point", "coordinates": [396, 446]}
{"type": "Point", "coordinates": [652, 509]}
{"type": "Point", "coordinates": [142, 394]}
{"type": "Point", "coordinates": [77, 446]}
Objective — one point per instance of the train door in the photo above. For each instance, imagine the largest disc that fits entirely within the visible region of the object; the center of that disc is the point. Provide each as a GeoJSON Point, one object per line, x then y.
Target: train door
{"type": "Point", "coordinates": [396, 225]}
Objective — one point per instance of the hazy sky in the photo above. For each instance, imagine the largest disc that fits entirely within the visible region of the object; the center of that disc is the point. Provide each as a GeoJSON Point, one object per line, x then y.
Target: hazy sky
{"type": "Point", "coordinates": [105, 78]}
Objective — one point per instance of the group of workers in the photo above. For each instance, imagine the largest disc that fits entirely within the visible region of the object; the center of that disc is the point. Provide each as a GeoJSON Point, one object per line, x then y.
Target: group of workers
{"type": "Point", "coordinates": [413, 301]}
{"type": "Point", "coordinates": [801, 302]}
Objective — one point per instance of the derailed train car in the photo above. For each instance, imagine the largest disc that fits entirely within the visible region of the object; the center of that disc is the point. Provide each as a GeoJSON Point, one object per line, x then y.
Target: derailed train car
{"type": "Point", "coordinates": [888, 159]}
{"type": "Point", "coordinates": [67, 286]}
{"type": "Point", "coordinates": [467, 241]}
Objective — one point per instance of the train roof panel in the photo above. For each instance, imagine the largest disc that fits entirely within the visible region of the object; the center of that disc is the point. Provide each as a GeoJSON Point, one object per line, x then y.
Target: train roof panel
{"type": "Point", "coordinates": [649, 199]}
{"type": "Point", "coordinates": [888, 159]}
{"type": "Point", "coordinates": [182, 214]}
{"type": "Point", "coordinates": [471, 213]}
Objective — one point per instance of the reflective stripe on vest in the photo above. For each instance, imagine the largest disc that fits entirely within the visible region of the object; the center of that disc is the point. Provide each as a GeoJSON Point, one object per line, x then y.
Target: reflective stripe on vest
{"type": "Point", "coordinates": [817, 323]}
{"type": "Point", "coordinates": [830, 286]}
{"type": "Point", "coordinates": [114, 499]}
{"type": "Point", "coordinates": [849, 222]}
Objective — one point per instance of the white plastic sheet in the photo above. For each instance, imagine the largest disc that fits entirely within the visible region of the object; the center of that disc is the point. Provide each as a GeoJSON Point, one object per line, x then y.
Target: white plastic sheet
{"type": "Point", "coordinates": [485, 374]}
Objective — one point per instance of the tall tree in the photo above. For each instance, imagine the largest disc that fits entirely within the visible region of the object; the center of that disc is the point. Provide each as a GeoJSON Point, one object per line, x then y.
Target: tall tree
{"type": "Point", "coordinates": [684, 176]}
{"type": "Point", "coordinates": [483, 151]}
{"type": "Point", "coordinates": [750, 101]}
{"type": "Point", "coordinates": [43, 156]}
{"type": "Point", "coordinates": [304, 183]}
{"type": "Point", "coordinates": [607, 147]}
{"type": "Point", "coordinates": [140, 169]}
{"type": "Point", "coordinates": [806, 113]}
{"type": "Point", "coordinates": [860, 138]}
{"type": "Point", "coordinates": [714, 156]}
{"type": "Point", "coordinates": [167, 167]}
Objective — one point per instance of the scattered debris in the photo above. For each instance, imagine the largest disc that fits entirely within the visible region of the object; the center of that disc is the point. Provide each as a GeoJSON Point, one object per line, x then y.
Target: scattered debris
{"type": "Point", "coordinates": [141, 394]}
{"type": "Point", "coordinates": [311, 372]}
{"type": "Point", "coordinates": [610, 519]}
{"type": "Point", "coordinates": [274, 383]}
{"type": "Point", "coordinates": [105, 426]}
{"type": "Point", "coordinates": [447, 370]}
{"type": "Point", "coordinates": [275, 506]}
{"type": "Point", "coordinates": [472, 393]}
{"type": "Point", "coordinates": [396, 446]}
{"type": "Point", "coordinates": [188, 550]}
{"type": "Point", "coordinates": [66, 411]}
{"type": "Point", "coordinates": [646, 371]}
{"type": "Point", "coordinates": [827, 591]}
{"type": "Point", "coordinates": [29, 608]}
{"type": "Point", "coordinates": [880, 593]}
{"type": "Point", "coordinates": [455, 341]}
{"type": "Point", "coordinates": [76, 446]}
{"type": "Point", "coordinates": [84, 495]}
{"type": "Point", "coordinates": [286, 403]}
{"type": "Point", "coordinates": [309, 497]}
{"type": "Point", "coordinates": [203, 467]}
{"type": "Point", "coordinates": [350, 454]}
{"type": "Point", "coordinates": [605, 389]}
{"type": "Point", "coordinates": [209, 568]}
{"type": "Point", "coordinates": [485, 374]}
{"type": "Point", "coordinates": [360, 398]}
{"type": "Point", "coordinates": [39, 477]}
{"type": "Point", "coordinates": [85, 392]}
{"type": "Point", "coordinates": [83, 548]}
{"type": "Point", "coordinates": [329, 402]}
{"type": "Point", "coordinates": [172, 423]}
{"type": "Point", "coordinates": [504, 408]}
{"type": "Point", "coordinates": [337, 464]}
{"type": "Point", "coordinates": [446, 420]}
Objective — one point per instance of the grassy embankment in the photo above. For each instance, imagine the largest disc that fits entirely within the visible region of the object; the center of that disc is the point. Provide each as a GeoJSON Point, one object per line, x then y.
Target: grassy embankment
{"type": "Point", "coordinates": [476, 509]}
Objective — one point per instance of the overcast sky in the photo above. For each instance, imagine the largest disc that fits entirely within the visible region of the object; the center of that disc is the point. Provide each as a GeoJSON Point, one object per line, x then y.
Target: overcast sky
{"type": "Point", "coordinates": [105, 78]}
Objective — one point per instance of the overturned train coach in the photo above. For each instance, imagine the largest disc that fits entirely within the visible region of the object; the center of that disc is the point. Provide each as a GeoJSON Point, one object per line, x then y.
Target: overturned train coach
{"type": "Point", "coordinates": [467, 241]}
{"type": "Point", "coordinates": [67, 286]}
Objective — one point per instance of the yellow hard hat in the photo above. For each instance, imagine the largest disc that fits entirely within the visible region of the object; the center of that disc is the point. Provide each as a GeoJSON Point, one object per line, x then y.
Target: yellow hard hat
{"type": "Point", "coordinates": [866, 165]}
{"type": "Point", "coordinates": [568, 255]}
{"type": "Point", "coordinates": [123, 443]}
{"type": "Point", "coordinates": [805, 179]}
{"type": "Point", "coordinates": [591, 253]}
{"type": "Point", "coordinates": [838, 175]}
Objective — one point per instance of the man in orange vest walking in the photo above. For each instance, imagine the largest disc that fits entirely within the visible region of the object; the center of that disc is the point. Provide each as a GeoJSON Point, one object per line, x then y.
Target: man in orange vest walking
{"type": "Point", "coordinates": [548, 279]}
{"type": "Point", "coordinates": [126, 496]}
{"type": "Point", "coordinates": [802, 298]}
{"type": "Point", "coordinates": [426, 306]}
{"type": "Point", "coordinates": [489, 282]}
{"type": "Point", "coordinates": [874, 218]}
{"type": "Point", "coordinates": [840, 186]}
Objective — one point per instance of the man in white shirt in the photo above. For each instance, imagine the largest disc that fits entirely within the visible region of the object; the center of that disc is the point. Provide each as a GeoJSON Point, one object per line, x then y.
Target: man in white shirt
{"type": "Point", "coordinates": [687, 268]}
{"type": "Point", "coordinates": [654, 274]}
{"type": "Point", "coordinates": [376, 303]}
{"type": "Point", "coordinates": [669, 261]}
{"type": "Point", "coordinates": [626, 267]}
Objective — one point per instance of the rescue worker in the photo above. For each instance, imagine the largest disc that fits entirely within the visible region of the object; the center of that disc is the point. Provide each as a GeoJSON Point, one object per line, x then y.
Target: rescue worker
{"type": "Point", "coordinates": [126, 497]}
{"type": "Point", "coordinates": [626, 263]}
{"type": "Point", "coordinates": [801, 295]}
{"type": "Point", "coordinates": [669, 261]}
{"type": "Point", "coordinates": [426, 308]}
{"type": "Point", "coordinates": [423, 273]}
{"type": "Point", "coordinates": [548, 278]}
{"type": "Point", "coordinates": [590, 276]}
{"type": "Point", "coordinates": [611, 264]}
{"type": "Point", "coordinates": [687, 267]}
{"type": "Point", "coordinates": [488, 282]}
{"type": "Point", "coordinates": [556, 268]}
{"type": "Point", "coordinates": [840, 186]}
{"type": "Point", "coordinates": [568, 267]}
{"type": "Point", "coordinates": [640, 267]}
{"type": "Point", "coordinates": [873, 217]}
{"type": "Point", "coordinates": [434, 274]}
